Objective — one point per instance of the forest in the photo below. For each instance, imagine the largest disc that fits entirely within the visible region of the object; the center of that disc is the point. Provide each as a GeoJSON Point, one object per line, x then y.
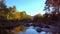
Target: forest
{"type": "Point", "coordinates": [10, 18]}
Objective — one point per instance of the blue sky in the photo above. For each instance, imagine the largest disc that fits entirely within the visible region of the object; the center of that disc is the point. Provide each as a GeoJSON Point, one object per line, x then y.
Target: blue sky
{"type": "Point", "coordinates": [32, 7]}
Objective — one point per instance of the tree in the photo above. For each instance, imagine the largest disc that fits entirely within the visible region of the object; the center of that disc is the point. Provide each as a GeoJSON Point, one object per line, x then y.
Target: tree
{"type": "Point", "coordinates": [38, 18]}
{"type": "Point", "coordinates": [2, 4]}
{"type": "Point", "coordinates": [53, 3]}
{"type": "Point", "coordinates": [17, 16]}
{"type": "Point", "coordinates": [25, 17]}
{"type": "Point", "coordinates": [54, 14]}
{"type": "Point", "coordinates": [13, 9]}
{"type": "Point", "coordinates": [3, 9]}
{"type": "Point", "coordinates": [11, 13]}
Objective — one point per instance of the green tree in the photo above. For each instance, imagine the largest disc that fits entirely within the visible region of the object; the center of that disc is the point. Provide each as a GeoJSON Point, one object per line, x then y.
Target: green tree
{"type": "Point", "coordinates": [25, 17]}
{"type": "Point", "coordinates": [38, 18]}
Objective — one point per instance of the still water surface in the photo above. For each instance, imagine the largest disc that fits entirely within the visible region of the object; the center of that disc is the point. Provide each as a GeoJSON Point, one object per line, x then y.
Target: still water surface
{"type": "Point", "coordinates": [31, 30]}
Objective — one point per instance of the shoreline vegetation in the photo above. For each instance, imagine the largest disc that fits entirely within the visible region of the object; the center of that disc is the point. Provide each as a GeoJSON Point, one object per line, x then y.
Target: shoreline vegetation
{"type": "Point", "coordinates": [11, 19]}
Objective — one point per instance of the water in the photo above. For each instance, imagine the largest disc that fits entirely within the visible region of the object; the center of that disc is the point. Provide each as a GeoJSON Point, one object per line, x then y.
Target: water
{"type": "Point", "coordinates": [31, 30]}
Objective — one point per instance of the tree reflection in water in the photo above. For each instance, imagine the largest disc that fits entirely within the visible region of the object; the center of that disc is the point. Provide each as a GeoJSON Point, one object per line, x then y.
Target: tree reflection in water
{"type": "Point", "coordinates": [32, 30]}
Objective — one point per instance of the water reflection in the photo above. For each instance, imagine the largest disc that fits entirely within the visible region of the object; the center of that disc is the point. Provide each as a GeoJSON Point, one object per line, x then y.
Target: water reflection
{"type": "Point", "coordinates": [31, 30]}
{"type": "Point", "coordinates": [42, 32]}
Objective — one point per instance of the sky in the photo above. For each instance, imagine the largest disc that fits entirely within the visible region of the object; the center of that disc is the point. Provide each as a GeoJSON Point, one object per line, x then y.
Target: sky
{"type": "Point", "coordinates": [32, 7]}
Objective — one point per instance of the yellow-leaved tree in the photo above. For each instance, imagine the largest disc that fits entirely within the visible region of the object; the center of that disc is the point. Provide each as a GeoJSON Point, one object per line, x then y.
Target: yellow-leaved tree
{"type": "Point", "coordinates": [16, 16]}
{"type": "Point", "coordinates": [10, 12]}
